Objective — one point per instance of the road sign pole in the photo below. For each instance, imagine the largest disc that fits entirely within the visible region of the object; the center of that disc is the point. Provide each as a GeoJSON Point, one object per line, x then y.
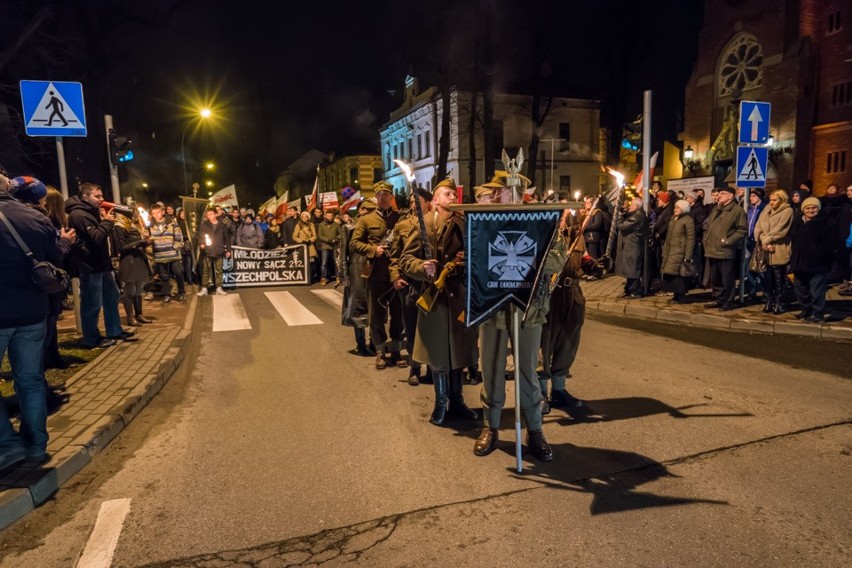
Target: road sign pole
{"type": "Point", "coordinates": [646, 189]}
{"type": "Point", "coordinates": [113, 168]}
{"type": "Point", "coordinates": [60, 160]}
{"type": "Point", "coordinates": [744, 259]}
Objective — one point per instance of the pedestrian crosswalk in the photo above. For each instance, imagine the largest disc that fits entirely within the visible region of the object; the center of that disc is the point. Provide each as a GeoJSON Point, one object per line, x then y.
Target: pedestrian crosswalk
{"type": "Point", "coordinates": [229, 313]}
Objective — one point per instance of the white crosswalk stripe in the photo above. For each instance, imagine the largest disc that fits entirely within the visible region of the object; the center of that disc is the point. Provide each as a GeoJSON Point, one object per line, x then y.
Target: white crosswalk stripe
{"type": "Point", "coordinates": [229, 314]}
{"type": "Point", "coordinates": [331, 296]}
{"type": "Point", "coordinates": [293, 312]}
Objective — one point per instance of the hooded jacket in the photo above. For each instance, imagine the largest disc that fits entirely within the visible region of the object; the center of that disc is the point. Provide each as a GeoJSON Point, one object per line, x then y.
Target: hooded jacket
{"type": "Point", "coordinates": [85, 219]}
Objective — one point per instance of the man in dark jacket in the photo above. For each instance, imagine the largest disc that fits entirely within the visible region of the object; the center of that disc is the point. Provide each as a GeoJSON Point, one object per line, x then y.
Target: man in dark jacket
{"type": "Point", "coordinates": [632, 230]}
{"type": "Point", "coordinates": [23, 312]}
{"type": "Point", "coordinates": [594, 227]}
{"type": "Point", "coordinates": [810, 260]}
{"type": "Point", "coordinates": [214, 241]}
{"type": "Point", "coordinates": [97, 281]}
{"type": "Point", "coordinates": [289, 225]}
{"type": "Point", "coordinates": [726, 229]}
{"type": "Point", "coordinates": [327, 236]}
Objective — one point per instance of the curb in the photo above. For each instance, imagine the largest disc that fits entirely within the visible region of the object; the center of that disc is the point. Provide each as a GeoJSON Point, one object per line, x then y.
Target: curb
{"type": "Point", "coordinates": [738, 325]}
{"type": "Point", "coordinates": [33, 486]}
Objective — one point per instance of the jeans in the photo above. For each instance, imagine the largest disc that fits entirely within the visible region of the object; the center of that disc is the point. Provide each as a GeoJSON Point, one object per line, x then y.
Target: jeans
{"type": "Point", "coordinates": [188, 273]}
{"type": "Point", "coordinates": [810, 290]}
{"type": "Point", "coordinates": [25, 345]}
{"type": "Point", "coordinates": [327, 268]}
{"type": "Point", "coordinates": [99, 290]}
{"type": "Point", "coordinates": [175, 269]}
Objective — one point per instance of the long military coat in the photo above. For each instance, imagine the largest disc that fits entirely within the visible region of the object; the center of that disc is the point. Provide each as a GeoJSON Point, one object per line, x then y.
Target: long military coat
{"type": "Point", "coordinates": [369, 232]}
{"type": "Point", "coordinates": [442, 341]}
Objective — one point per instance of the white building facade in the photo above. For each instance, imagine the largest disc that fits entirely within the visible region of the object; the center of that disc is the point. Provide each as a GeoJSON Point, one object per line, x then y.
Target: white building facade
{"type": "Point", "coordinates": [413, 135]}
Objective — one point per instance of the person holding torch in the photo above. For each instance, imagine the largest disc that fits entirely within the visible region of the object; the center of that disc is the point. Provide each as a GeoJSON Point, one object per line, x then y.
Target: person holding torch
{"type": "Point", "coordinates": [215, 246]}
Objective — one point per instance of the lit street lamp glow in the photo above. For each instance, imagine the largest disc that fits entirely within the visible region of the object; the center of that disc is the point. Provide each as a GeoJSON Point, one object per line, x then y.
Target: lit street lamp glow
{"type": "Point", "coordinates": [145, 184]}
{"type": "Point", "coordinates": [209, 165]}
{"type": "Point", "coordinates": [205, 113]}
{"type": "Point", "coordinates": [208, 183]}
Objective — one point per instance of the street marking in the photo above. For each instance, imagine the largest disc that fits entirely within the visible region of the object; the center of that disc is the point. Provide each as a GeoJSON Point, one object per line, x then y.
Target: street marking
{"type": "Point", "coordinates": [229, 314]}
{"type": "Point", "coordinates": [293, 312]}
{"type": "Point", "coordinates": [331, 296]}
{"type": "Point", "coordinates": [104, 538]}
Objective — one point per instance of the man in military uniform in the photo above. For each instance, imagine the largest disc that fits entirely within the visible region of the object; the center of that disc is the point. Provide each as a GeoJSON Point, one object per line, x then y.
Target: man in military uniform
{"type": "Point", "coordinates": [372, 238]}
{"type": "Point", "coordinates": [494, 336]}
{"type": "Point", "coordinates": [406, 287]}
{"type": "Point", "coordinates": [442, 341]}
{"type": "Point", "coordinates": [560, 336]}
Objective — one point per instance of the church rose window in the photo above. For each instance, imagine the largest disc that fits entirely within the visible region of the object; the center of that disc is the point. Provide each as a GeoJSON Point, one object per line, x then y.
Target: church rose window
{"type": "Point", "coordinates": [741, 67]}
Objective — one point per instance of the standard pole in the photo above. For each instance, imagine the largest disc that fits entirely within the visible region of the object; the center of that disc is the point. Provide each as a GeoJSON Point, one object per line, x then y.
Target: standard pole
{"type": "Point", "coordinates": [516, 327]}
{"type": "Point", "coordinates": [60, 160]}
{"type": "Point", "coordinates": [113, 168]}
{"type": "Point", "coordinates": [646, 175]}
{"type": "Point", "coordinates": [553, 142]}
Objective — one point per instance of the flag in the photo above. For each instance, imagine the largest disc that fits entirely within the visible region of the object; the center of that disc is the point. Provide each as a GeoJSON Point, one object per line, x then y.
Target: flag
{"type": "Point", "coordinates": [639, 183]}
{"type": "Point", "coordinates": [505, 251]}
{"type": "Point", "coordinates": [281, 205]}
{"type": "Point", "coordinates": [297, 203]}
{"type": "Point", "coordinates": [268, 207]}
{"type": "Point", "coordinates": [311, 200]}
{"type": "Point", "coordinates": [351, 198]}
{"type": "Point", "coordinates": [225, 197]}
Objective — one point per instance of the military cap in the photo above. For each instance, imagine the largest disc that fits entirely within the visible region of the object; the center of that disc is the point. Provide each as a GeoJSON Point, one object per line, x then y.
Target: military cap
{"type": "Point", "coordinates": [447, 182]}
{"type": "Point", "coordinates": [382, 185]}
{"type": "Point", "coordinates": [487, 188]}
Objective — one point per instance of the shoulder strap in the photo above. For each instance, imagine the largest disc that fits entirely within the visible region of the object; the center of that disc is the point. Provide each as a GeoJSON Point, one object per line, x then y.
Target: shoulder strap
{"type": "Point", "coordinates": [17, 237]}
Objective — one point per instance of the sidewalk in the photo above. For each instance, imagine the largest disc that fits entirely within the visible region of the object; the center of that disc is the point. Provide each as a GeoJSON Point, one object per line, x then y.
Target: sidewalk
{"type": "Point", "coordinates": [104, 397]}
{"type": "Point", "coordinates": [602, 296]}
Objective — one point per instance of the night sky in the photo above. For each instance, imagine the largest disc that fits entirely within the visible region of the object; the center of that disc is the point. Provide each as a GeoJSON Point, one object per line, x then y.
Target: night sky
{"type": "Point", "coordinates": [285, 77]}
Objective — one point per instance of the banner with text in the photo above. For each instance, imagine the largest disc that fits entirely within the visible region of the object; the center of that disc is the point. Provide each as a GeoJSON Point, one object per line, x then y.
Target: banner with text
{"type": "Point", "coordinates": [505, 250]}
{"type": "Point", "coordinates": [256, 267]}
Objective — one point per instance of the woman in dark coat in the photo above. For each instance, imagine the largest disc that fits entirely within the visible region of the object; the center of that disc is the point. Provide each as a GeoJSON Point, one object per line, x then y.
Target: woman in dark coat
{"type": "Point", "coordinates": [133, 268]}
{"type": "Point", "coordinates": [632, 229]}
{"type": "Point", "coordinates": [679, 246]}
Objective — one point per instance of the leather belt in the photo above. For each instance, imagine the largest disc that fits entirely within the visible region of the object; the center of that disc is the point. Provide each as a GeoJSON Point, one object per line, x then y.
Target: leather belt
{"type": "Point", "coordinates": [567, 282]}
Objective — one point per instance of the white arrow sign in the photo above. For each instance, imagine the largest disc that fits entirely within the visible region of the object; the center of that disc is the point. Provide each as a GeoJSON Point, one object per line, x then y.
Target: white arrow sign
{"type": "Point", "coordinates": [755, 118]}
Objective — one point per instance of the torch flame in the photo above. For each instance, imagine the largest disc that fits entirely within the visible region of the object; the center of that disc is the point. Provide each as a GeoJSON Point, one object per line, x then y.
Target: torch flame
{"type": "Point", "coordinates": [619, 177]}
{"type": "Point", "coordinates": [406, 169]}
{"type": "Point", "coordinates": [144, 215]}
{"type": "Point", "coordinates": [207, 240]}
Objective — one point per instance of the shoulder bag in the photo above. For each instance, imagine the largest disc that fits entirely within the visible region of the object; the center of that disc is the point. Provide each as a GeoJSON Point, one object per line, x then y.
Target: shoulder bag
{"type": "Point", "coordinates": [47, 277]}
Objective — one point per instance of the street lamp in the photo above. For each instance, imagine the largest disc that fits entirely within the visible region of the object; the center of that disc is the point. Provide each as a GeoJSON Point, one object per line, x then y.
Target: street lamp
{"type": "Point", "coordinates": [209, 166]}
{"type": "Point", "coordinates": [203, 113]}
{"type": "Point", "coordinates": [145, 184]}
{"type": "Point", "coordinates": [208, 183]}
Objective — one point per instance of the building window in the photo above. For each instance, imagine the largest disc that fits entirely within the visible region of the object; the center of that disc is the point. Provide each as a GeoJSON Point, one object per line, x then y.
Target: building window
{"type": "Point", "coordinates": [428, 144]}
{"type": "Point", "coordinates": [353, 175]}
{"type": "Point", "coordinates": [565, 183]}
{"type": "Point", "coordinates": [377, 174]}
{"type": "Point", "coordinates": [410, 149]}
{"type": "Point", "coordinates": [395, 156]}
{"type": "Point", "coordinates": [741, 66]}
{"type": "Point", "coordinates": [565, 132]}
{"type": "Point", "coordinates": [841, 94]}
{"type": "Point", "coordinates": [419, 146]}
{"type": "Point", "coordinates": [402, 150]}
{"type": "Point", "coordinates": [836, 162]}
{"type": "Point", "coordinates": [835, 22]}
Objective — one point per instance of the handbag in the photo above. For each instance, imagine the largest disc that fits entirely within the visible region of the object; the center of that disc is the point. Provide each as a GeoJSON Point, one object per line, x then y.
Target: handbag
{"type": "Point", "coordinates": [759, 260]}
{"type": "Point", "coordinates": [688, 268]}
{"type": "Point", "coordinates": [47, 277]}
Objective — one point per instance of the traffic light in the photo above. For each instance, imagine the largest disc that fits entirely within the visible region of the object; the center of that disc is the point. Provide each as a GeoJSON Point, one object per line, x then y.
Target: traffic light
{"type": "Point", "coordinates": [119, 148]}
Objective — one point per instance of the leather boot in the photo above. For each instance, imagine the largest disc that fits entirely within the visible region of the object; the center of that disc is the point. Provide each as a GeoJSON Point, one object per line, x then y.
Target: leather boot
{"type": "Point", "coordinates": [486, 442]}
{"type": "Point", "coordinates": [131, 321]}
{"type": "Point", "coordinates": [768, 306]}
{"type": "Point", "coordinates": [380, 361]}
{"type": "Point", "coordinates": [137, 308]}
{"type": "Point", "coordinates": [538, 446]}
{"type": "Point", "coordinates": [439, 414]}
{"type": "Point", "coordinates": [458, 408]}
{"type": "Point", "coordinates": [778, 291]}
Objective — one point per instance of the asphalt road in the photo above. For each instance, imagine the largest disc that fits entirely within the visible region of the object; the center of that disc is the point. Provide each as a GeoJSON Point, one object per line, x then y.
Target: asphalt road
{"type": "Point", "coordinates": [273, 446]}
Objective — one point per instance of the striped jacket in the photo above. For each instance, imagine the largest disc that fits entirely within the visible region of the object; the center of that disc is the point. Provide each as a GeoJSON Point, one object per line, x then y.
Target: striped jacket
{"type": "Point", "coordinates": [166, 241]}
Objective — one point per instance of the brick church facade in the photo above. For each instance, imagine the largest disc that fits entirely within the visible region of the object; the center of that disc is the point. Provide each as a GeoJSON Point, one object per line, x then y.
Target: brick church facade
{"type": "Point", "coordinates": [795, 54]}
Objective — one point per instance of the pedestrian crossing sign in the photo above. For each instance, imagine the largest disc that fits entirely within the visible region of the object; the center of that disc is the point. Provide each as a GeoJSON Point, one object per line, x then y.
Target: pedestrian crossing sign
{"type": "Point", "coordinates": [53, 108]}
{"type": "Point", "coordinates": [751, 166]}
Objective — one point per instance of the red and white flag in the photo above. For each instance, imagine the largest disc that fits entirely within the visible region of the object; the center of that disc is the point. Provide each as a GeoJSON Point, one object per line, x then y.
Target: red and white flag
{"type": "Point", "coordinates": [280, 207]}
{"type": "Point", "coordinates": [311, 200]}
{"type": "Point", "coordinates": [639, 183]}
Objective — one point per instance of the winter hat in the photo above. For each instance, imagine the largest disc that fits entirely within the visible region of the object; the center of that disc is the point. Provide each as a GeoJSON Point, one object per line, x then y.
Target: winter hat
{"type": "Point", "coordinates": [663, 196]}
{"type": "Point", "coordinates": [28, 189]}
{"type": "Point", "coordinates": [726, 189]}
{"type": "Point", "coordinates": [759, 192]}
{"type": "Point", "coordinates": [683, 204]}
{"type": "Point", "coordinates": [812, 201]}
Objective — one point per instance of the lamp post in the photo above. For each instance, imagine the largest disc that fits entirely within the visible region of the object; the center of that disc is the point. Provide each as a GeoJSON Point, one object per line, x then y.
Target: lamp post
{"type": "Point", "coordinates": [203, 113]}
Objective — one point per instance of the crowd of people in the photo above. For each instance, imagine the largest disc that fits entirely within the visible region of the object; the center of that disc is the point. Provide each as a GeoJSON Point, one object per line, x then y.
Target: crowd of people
{"type": "Point", "coordinates": [794, 246]}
